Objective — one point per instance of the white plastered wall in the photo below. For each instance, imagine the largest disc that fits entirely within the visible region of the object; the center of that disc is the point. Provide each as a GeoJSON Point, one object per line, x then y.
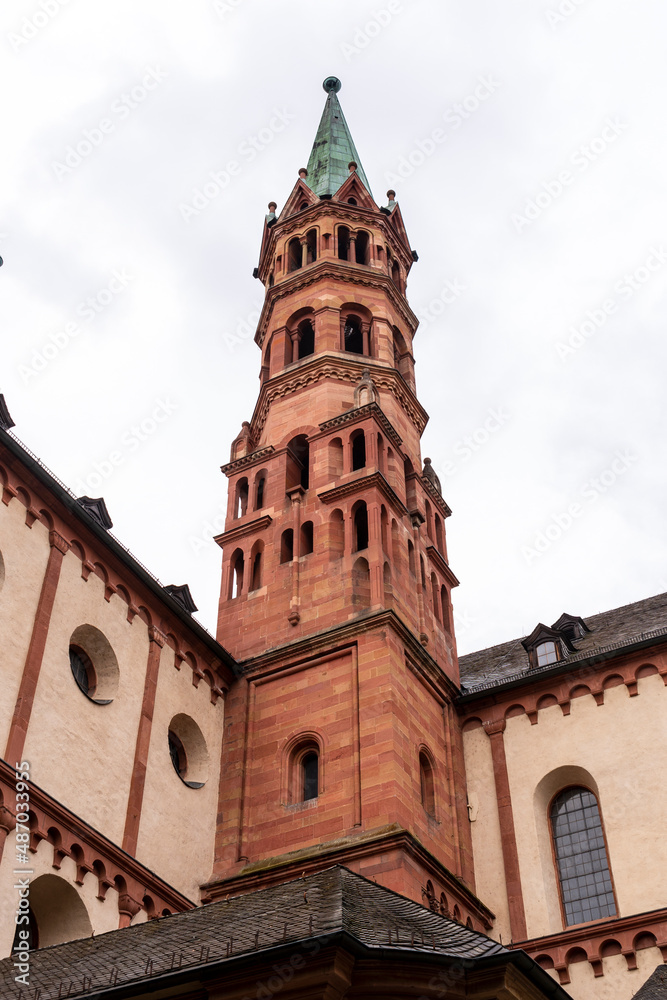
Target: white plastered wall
{"type": "Point", "coordinates": [485, 830]}
{"type": "Point", "coordinates": [82, 753]}
{"type": "Point", "coordinates": [177, 827]}
{"type": "Point", "coordinates": [622, 745]}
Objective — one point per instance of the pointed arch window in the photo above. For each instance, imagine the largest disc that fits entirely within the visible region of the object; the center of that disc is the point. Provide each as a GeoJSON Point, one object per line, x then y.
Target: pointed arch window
{"type": "Point", "coordinates": [581, 857]}
{"type": "Point", "coordinates": [294, 255]}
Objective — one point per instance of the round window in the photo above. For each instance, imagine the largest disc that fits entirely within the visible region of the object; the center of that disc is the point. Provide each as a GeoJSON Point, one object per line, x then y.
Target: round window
{"type": "Point", "coordinates": [93, 664]}
{"type": "Point", "coordinates": [187, 749]}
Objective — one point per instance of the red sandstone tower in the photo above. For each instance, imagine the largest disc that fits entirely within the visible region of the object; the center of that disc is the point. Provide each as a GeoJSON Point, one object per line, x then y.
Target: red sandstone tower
{"type": "Point", "coordinates": [341, 743]}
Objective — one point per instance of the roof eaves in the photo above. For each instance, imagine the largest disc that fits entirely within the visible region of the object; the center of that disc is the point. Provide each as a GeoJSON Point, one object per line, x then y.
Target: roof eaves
{"type": "Point", "coordinates": [598, 655]}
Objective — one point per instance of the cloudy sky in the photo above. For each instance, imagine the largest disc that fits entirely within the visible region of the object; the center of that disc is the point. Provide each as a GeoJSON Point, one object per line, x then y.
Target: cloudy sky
{"type": "Point", "coordinates": [525, 140]}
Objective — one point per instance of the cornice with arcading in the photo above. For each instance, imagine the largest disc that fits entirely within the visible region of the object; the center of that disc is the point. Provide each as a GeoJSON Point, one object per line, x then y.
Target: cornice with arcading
{"type": "Point", "coordinates": [247, 460]}
{"type": "Point", "coordinates": [354, 416]}
{"type": "Point", "coordinates": [344, 369]}
{"type": "Point", "coordinates": [361, 485]}
{"type": "Point", "coordinates": [356, 274]}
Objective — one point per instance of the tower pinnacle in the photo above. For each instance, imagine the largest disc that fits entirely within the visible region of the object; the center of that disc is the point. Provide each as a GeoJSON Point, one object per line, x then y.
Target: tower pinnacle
{"type": "Point", "coordinates": [333, 149]}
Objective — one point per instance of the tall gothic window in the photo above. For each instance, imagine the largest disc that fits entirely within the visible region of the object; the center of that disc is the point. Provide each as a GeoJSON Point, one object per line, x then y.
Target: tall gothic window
{"type": "Point", "coordinates": [581, 857]}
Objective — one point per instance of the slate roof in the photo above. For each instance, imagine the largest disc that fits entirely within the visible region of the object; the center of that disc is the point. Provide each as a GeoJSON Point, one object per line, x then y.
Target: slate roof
{"type": "Point", "coordinates": [330, 901]}
{"type": "Point", "coordinates": [655, 987]}
{"type": "Point", "coordinates": [618, 628]}
{"type": "Point", "coordinates": [333, 151]}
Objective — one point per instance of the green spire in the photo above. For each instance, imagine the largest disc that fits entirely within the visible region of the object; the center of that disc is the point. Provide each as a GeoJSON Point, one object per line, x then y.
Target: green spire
{"type": "Point", "coordinates": [333, 149]}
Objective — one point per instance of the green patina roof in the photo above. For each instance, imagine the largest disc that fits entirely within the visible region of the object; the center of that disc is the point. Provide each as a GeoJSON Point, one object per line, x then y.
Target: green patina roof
{"type": "Point", "coordinates": [333, 149]}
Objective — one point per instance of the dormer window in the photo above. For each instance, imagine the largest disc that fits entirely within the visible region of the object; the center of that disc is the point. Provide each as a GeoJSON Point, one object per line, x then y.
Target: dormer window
{"type": "Point", "coordinates": [546, 653]}
{"type": "Point", "coordinates": [546, 646]}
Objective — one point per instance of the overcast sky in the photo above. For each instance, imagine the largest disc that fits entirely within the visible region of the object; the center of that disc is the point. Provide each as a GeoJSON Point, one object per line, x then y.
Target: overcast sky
{"type": "Point", "coordinates": [525, 141]}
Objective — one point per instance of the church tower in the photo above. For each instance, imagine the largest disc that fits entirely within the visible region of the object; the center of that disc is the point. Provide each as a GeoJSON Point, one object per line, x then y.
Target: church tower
{"type": "Point", "coordinates": [341, 743]}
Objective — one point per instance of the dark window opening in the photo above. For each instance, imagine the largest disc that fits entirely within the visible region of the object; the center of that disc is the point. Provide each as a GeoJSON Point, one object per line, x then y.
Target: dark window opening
{"type": "Point", "coordinates": [311, 246]}
{"type": "Point", "coordinates": [361, 248]}
{"type": "Point", "coordinates": [259, 496]}
{"type": "Point", "coordinates": [306, 538]}
{"type": "Point", "coordinates": [304, 204]}
{"type": "Point", "coordinates": [411, 558]}
{"type": "Point", "coordinates": [256, 581]}
{"type": "Point", "coordinates": [306, 339]}
{"type": "Point", "coordinates": [310, 766]}
{"type": "Point", "coordinates": [298, 461]}
{"type": "Point", "coordinates": [581, 857]}
{"type": "Point", "coordinates": [361, 528]}
{"type": "Point", "coordinates": [352, 201]}
{"type": "Point", "coordinates": [83, 670]}
{"type": "Point", "coordinates": [343, 242]}
{"type": "Point", "coordinates": [354, 340]}
{"type": "Point", "coordinates": [294, 255]}
{"type": "Point", "coordinates": [359, 451]}
{"type": "Point", "coordinates": [287, 546]}
{"type": "Point", "coordinates": [271, 280]}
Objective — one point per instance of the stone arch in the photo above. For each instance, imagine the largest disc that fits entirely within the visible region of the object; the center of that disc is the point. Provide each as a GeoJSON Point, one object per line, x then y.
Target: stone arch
{"type": "Point", "coordinates": [550, 785]}
{"type": "Point", "coordinates": [59, 911]}
{"type": "Point", "coordinates": [361, 584]}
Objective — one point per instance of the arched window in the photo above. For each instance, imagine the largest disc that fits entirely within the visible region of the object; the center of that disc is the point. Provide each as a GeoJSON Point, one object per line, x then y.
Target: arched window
{"type": "Point", "coordinates": [343, 242]}
{"type": "Point", "coordinates": [256, 558]}
{"type": "Point", "coordinates": [298, 460]}
{"type": "Point", "coordinates": [435, 596]}
{"type": "Point", "coordinates": [294, 255]}
{"type": "Point", "coordinates": [411, 557]}
{"type": "Point", "coordinates": [360, 526]}
{"type": "Point", "coordinates": [381, 461]}
{"type": "Point", "coordinates": [311, 245]}
{"type": "Point", "coordinates": [546, 653]}
{"type": "Point", "coordinates": [306, 538]}
{"type": "Point", "coordinates": [426, 783]}
{"type": "Point", "coordinates": [384, 528]}
{"type": "Point", "coordinates": [260, 483]}
{"type": "Point", "coordinates": [358, 450]}
{"type": "Point", "coordinates": [396, 274]}
{"type": "Point", "coordinates": [430, 897]}
{"type": "Point", "coordinates": [304, 774]}
{"type": "Point", "coordinates": [423, 572]}
{"type": "Point", "coordinates": [581, 857]}
{"type": "Point", "coordinates": [306, 339]}
{"type": "Point", "coordinates": [353, 336]}
{"type": "Point", "coordinates": [287, 546]}
{"type": "Point", "coordinates": [446, 610]}
{"type": "Point", "coordinates": [241, 498]}
{"type": "Point", "coordinates": [310, 767]}
{"type": "Point", "coordinates": [439, 541]}
{"type": "Point", "coordinates": [361, 247]}
{"type": "Point", "coordinates": [236, 574]}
